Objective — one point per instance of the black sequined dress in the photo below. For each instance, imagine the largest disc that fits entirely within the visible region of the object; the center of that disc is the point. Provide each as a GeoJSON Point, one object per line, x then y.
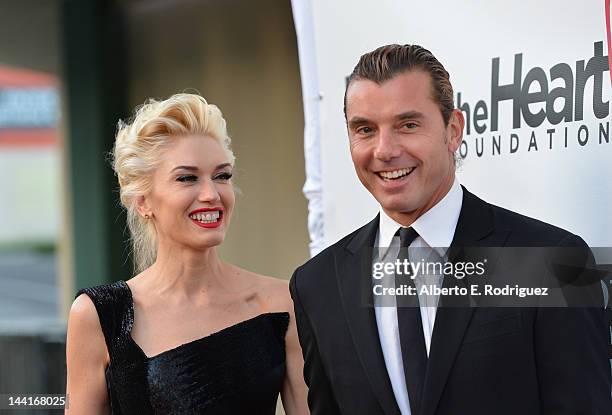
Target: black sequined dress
{"type": "Point", "coordinates": [238, 370]}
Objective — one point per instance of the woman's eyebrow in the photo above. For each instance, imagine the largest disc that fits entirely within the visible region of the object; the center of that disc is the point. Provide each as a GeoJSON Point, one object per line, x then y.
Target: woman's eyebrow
{"type": "Point", "coordinates": [194, 168]}
{"type": "Point", "coordinates": [190, 168]}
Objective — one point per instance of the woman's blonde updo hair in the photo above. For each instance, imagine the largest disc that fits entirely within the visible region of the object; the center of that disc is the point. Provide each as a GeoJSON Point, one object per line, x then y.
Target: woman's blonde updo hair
{"type": "Point", "coordinates": [138, 152]}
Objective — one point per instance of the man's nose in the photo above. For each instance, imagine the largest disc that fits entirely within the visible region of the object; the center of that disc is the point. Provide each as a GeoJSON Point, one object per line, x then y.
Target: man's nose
{"type": "Point", "coordinates": [387, 147]}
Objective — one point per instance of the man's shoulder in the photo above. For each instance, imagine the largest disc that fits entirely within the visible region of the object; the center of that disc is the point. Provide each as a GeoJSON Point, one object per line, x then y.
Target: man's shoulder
{"type": "Point", "coordinates": [322, 264]}
{"type": "Point", "coordinates": [327, 255]}
{"type": "Point", "coordinates": [528, 231]}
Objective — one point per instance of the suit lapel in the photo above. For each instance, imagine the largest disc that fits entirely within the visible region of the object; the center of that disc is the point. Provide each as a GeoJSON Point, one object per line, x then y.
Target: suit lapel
{"type": "Point", "coordinates": [354, 269]}
{"type": "Point", "coordinates": [474, 228]}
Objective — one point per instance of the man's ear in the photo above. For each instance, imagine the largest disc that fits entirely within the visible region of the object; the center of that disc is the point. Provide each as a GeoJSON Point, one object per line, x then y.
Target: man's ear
{"type": "Point", "coordinates": [454, 130]}
{"type": "Point", "coordinates": [142, 206]}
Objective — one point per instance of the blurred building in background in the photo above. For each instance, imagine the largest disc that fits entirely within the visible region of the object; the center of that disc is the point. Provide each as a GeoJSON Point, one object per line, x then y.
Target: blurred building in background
{"type": "Point", "coordinates": [31, 194]}
{"type": "Point", "coordinates": [69, 70]}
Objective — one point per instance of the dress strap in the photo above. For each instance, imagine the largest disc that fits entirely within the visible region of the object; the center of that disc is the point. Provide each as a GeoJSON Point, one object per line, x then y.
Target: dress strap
{"type": "Point", "coordinates": [114, 307]}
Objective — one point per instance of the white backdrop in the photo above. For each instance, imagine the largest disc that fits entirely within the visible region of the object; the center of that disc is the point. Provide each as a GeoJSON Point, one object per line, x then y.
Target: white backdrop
{"type": "Point", "coordinates": [569, 185]}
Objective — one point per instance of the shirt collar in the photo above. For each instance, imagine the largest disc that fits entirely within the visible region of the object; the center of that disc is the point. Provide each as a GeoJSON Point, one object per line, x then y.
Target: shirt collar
{"type": "Point", "coordinates": [436, 226]}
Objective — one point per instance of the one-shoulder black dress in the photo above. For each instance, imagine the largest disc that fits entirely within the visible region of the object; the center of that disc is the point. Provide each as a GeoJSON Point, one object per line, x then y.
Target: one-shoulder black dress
{"type": "Point", "coordinates": [238, 370]}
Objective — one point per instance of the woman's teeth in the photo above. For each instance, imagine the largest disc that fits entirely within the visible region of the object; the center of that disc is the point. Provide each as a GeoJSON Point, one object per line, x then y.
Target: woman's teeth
{"type": "Point", "coordinates": [395, 174]}
{"type": "Point", "coordinates": [206, 217]}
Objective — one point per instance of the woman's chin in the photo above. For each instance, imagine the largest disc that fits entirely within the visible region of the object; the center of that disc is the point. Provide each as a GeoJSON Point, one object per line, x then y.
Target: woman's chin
{"type": "Point", "coordinates": [210, 241]}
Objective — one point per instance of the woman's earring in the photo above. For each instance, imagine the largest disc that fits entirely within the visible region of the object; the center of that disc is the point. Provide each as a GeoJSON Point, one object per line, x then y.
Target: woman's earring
{"type": "Point", "coordinates": [146, 216]}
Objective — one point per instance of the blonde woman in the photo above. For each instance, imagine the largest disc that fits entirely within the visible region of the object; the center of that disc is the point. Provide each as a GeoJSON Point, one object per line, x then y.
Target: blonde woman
{"type": "Point", "coordinates": [189, 333]}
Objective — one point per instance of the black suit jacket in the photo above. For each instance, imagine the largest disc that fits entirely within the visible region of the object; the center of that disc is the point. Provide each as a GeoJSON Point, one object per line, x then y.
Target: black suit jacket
{"type": "Point", "coordinates": [515, 361]}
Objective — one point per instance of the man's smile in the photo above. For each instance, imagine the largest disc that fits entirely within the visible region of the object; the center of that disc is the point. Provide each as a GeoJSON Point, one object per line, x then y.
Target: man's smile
{"type": "Point", "coordinates": [390, 175]}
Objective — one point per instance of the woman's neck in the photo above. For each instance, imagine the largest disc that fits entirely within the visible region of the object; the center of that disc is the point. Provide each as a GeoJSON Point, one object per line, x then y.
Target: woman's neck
{"type": "Point", "coordinates": [188, 272]}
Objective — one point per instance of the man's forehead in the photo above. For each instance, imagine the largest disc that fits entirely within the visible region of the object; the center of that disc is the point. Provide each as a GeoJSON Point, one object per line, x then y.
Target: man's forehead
{"type": "Point", "coordinates": [403, 93]}
{"type": "Point", "coordinates": [414, 79]}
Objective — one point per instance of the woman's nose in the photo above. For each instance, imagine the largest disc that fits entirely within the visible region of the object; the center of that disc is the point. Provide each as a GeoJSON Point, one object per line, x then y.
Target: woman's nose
{"type": "Point", "coordinates": [208, 192]}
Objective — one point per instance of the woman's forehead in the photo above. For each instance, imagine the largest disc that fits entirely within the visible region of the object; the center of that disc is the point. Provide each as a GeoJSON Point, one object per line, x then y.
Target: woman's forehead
{"type": "Point", "coordinates": [197, 151]}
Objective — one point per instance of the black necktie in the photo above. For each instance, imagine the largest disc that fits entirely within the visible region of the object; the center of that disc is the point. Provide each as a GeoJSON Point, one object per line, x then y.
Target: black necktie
{"type": "Point", "coordinates": [412, 340]}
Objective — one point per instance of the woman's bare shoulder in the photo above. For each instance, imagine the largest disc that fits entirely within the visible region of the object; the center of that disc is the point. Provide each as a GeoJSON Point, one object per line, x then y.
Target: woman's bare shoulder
{"type": "Point", "coordinates": [84, 336]}
{"type": "Point", "coordinates": [273, 292]}
{"type": "Point", "coordinates": [83, 313]}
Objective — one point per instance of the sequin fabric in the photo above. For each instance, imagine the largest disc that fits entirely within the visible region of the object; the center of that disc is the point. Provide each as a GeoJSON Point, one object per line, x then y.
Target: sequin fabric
{"type": "Point", "coordinates": [238, 370]}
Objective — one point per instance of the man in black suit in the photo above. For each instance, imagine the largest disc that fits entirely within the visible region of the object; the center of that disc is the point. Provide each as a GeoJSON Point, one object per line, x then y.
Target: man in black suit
{"type": "Point", "coordinates": [365, 358]}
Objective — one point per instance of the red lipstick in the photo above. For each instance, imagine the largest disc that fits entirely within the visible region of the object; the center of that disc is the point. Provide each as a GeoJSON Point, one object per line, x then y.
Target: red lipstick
{"type": "Point", "coordinates": [215, 224]}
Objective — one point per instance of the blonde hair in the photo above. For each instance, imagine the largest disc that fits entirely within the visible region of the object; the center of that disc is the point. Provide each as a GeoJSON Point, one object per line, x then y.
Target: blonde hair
{"type": "Point", "coordinates": [137, 153]}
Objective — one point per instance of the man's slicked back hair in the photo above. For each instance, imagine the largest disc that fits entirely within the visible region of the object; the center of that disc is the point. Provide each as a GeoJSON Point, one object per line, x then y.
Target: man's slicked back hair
{"type": "Point", "coordinates": [388, 61]}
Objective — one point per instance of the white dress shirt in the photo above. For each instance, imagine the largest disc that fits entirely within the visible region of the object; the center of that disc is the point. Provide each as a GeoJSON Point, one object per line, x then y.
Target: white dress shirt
{"type": "Point", "coordinates": [436, 229]}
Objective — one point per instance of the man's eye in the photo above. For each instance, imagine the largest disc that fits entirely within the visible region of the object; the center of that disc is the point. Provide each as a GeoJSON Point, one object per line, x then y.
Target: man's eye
{"type": "Point", "coordinates": [187, 178]}
{"type": "Point", "coordinates": [223, 176]}
{"type": "Point", "coordinates": [410, 125]}
{"type": "Point", "coordinates": [364, 130]}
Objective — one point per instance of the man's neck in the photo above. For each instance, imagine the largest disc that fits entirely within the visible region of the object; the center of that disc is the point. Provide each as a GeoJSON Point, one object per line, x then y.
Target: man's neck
{"type": "Point", "coordinates": [408, 218]}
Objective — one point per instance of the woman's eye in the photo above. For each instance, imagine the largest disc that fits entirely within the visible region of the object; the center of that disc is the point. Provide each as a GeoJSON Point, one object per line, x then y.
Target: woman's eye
{"type": "Point", "coordinates": [223, 176]}
{"type": "Point", "coordinates": [186, 178]}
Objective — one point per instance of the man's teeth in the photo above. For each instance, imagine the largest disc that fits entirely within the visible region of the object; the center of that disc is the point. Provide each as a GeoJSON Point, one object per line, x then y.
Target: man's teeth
{"type": "Point", "coordinates": [206, 217]}
{"type": "Point", "coordinates": [395, 174]}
